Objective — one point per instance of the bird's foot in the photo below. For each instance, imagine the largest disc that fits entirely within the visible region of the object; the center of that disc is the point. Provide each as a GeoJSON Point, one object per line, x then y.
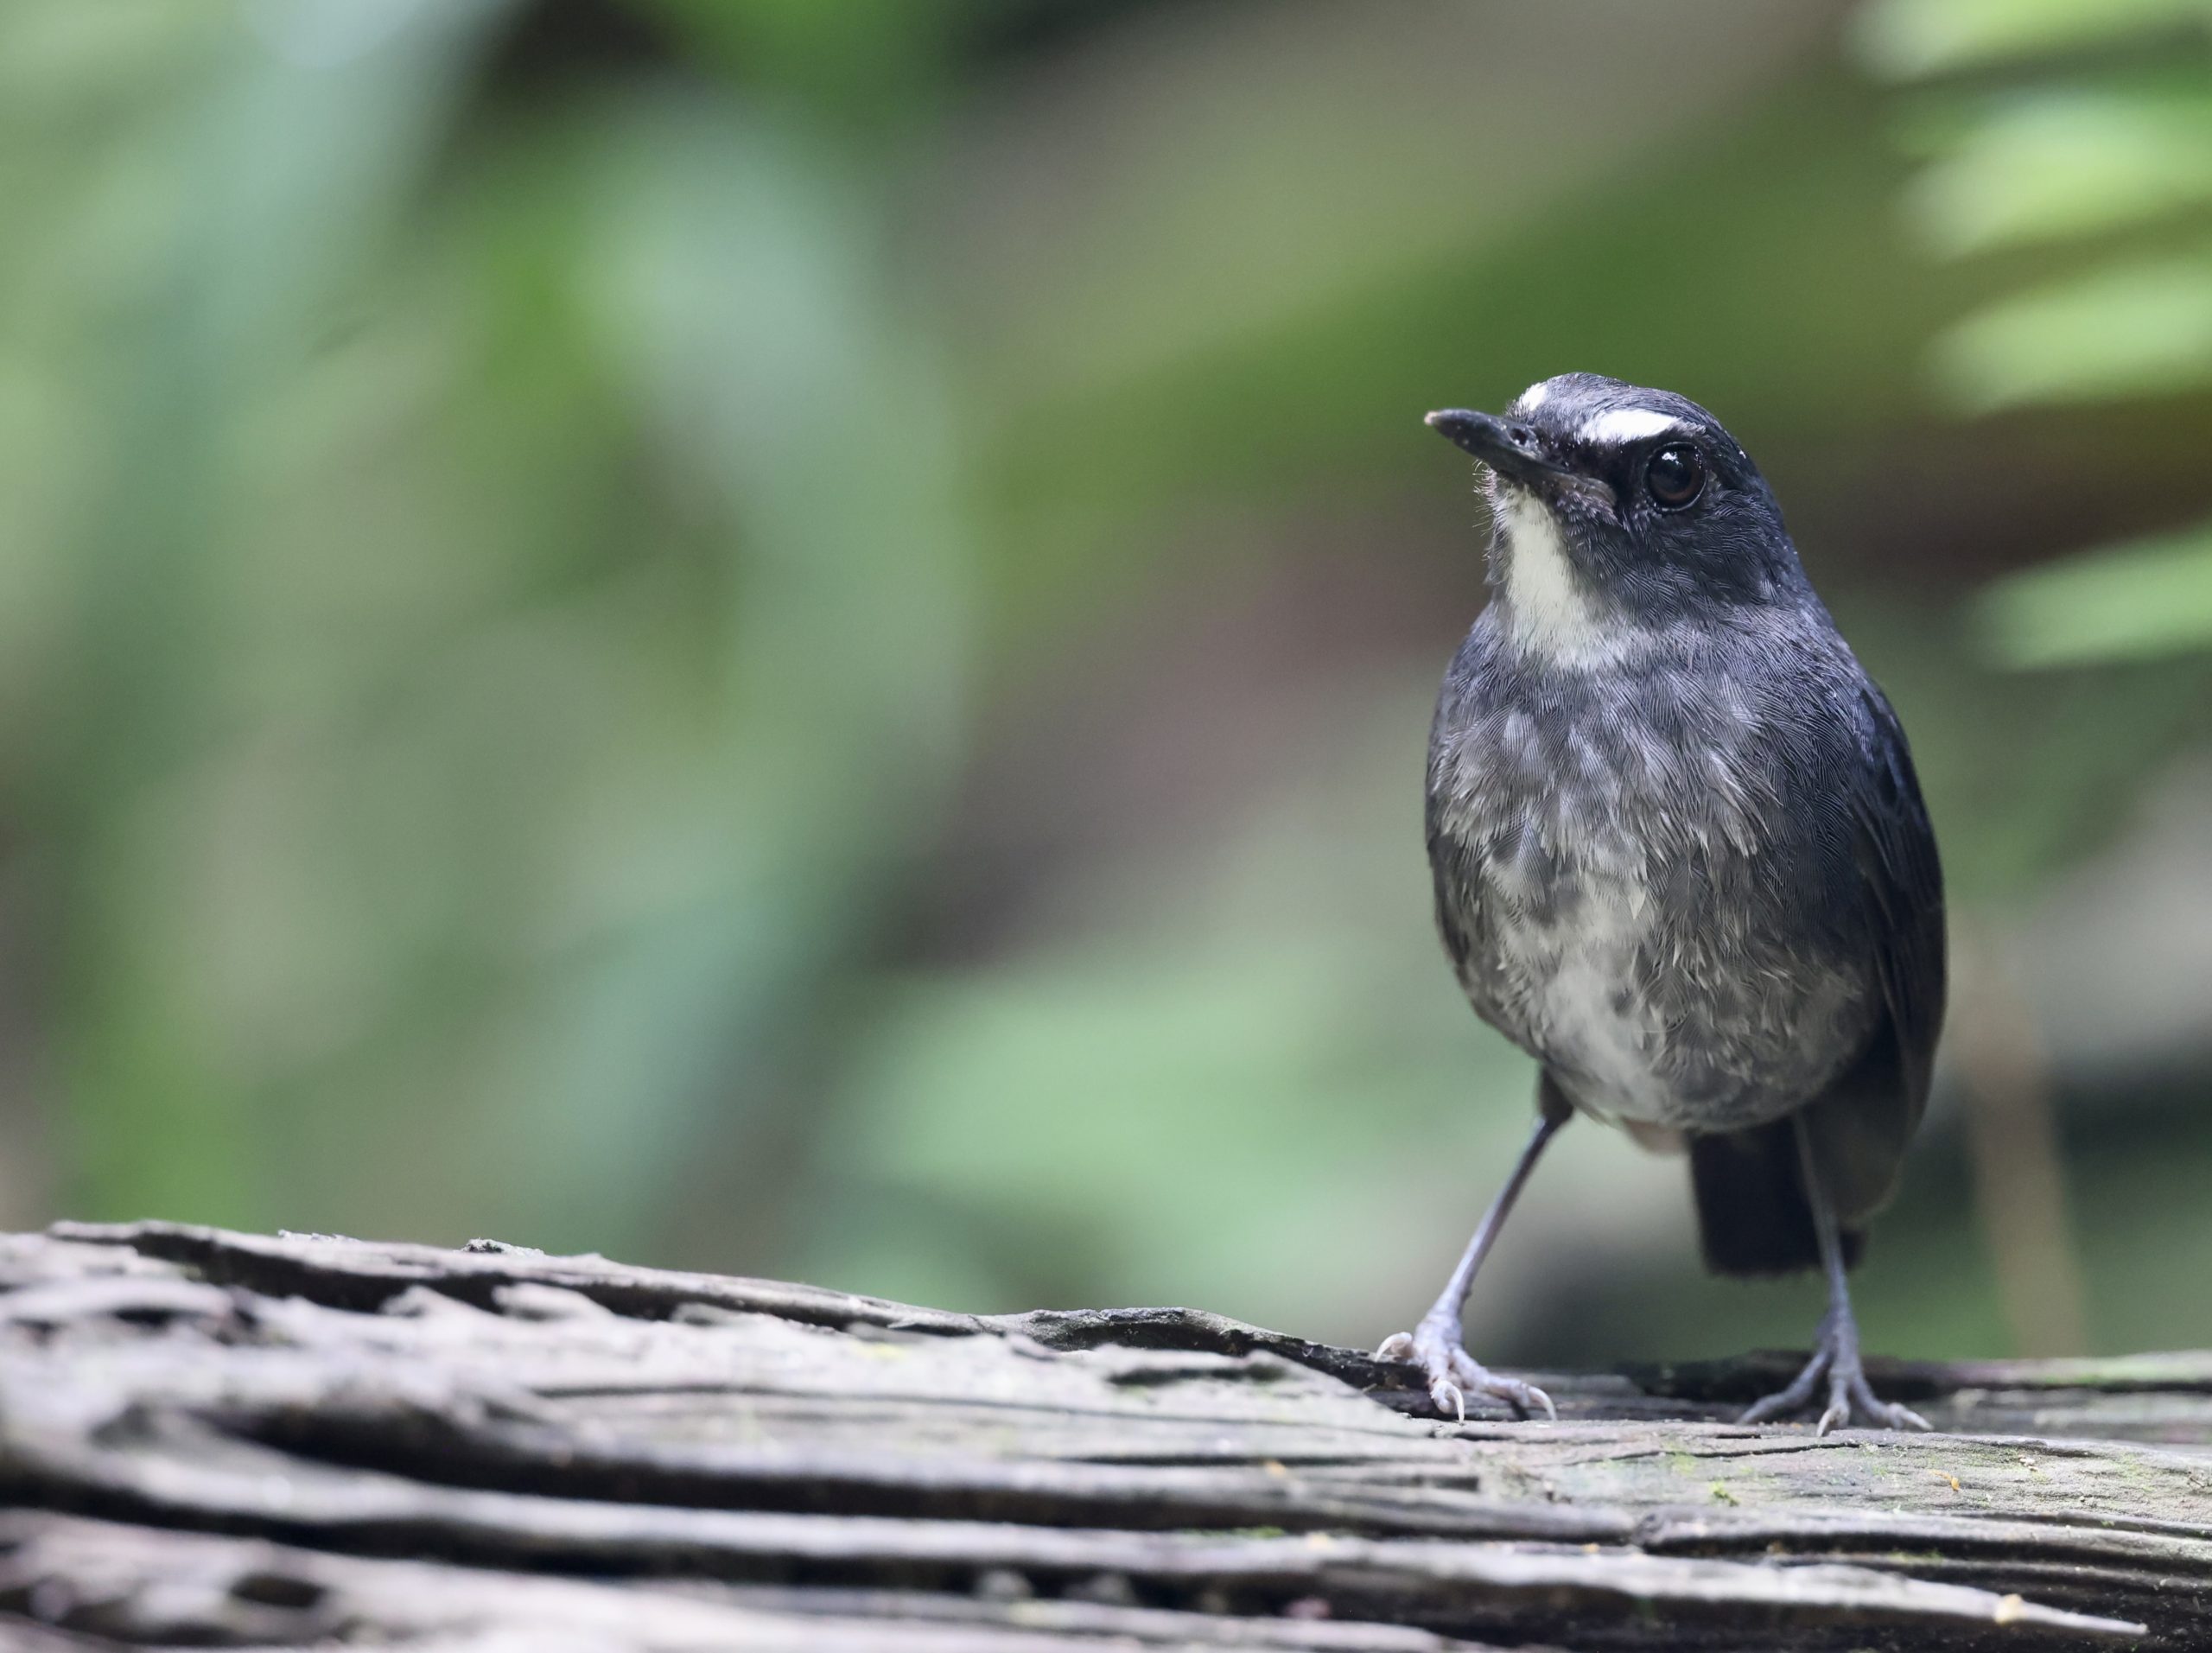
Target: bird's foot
{"type": "Point", "coordinates": [1453, 1373]}
{"type": "Point", "coordinates": [1835, 1359]}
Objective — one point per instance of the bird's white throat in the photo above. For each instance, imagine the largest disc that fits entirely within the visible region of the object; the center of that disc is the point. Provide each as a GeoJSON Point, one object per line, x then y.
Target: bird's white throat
{"type": "Point", "coordinates": [1550, 612]}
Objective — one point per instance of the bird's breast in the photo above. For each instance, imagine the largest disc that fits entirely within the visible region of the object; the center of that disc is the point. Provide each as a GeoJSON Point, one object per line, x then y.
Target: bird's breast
{"type": "Point", "coordinates": [1614, 880]}
{"type": "Point", "coordinates": [1572, 966]}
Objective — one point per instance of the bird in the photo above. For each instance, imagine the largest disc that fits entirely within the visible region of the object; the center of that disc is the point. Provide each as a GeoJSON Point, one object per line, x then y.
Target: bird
{"type": "Point", "coordinates": [1681, 857]}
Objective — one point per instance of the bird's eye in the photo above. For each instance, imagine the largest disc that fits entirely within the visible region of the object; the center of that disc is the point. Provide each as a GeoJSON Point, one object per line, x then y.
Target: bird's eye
{"type": "Point", "coordinates": [1675, 477]}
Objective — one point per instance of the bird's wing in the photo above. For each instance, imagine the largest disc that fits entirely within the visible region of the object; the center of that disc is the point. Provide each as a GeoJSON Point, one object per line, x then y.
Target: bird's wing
{"type": "Point", "coordinates": [1904, 885]}
{"type": "Point", "coordinates": [1860, 1125]}
{"type": "Point", "coordinates": [1455, 867]}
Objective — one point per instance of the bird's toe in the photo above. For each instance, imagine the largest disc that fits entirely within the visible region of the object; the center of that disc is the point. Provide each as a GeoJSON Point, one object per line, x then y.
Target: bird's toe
{"type": "Point", "coordinates": [1399, 1345]}
{"type": "Point", "coordinates": [1523, 1397]}
{"type": "Point", "coordinates": [1793, 1398]}
{"type": "Point", "coordinates": [1835, 1360]}
{"type": "Point", "coordinates": [1451, 1374]}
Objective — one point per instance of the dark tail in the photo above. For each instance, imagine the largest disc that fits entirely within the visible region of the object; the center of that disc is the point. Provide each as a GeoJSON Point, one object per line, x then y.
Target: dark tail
{"type": "Point", "coordinates": [1752, 1213]}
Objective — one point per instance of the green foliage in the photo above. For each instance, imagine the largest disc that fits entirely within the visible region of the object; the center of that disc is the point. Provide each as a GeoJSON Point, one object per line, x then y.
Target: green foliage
{"type": "Point", "coordinates": [796, 637]}
{"type": "Point", "coordinates": [2050, 165]}
{"type": "Point", "coordinates": [1912, 38]}
{"type": "Point", "coordinates": [504, 598]}
{"type": "Point", "coordinates": [2146, 598]}
{"type": "Point", "coordinates": [2105, 165]}
{"type": "Point", "coordinates": [2143, 329]}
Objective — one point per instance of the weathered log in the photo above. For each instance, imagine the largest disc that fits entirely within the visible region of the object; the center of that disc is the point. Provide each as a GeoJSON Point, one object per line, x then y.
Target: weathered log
{"type": "Point", "coordinates": [229, 1439]}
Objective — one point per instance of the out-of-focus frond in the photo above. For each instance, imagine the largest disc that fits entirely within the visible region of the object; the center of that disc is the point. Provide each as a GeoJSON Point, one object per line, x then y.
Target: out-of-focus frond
{"type": "Point", "coordinates": [2148, 598]}
{"type": "Point", "coordinates": [1910, 38]}
{"type": "Point", "coordinates": [2138, 329]}
{"type": "Point", "coordinates": [2080, 158]}
{"type": "Point", "coordinates": [2059, 166]}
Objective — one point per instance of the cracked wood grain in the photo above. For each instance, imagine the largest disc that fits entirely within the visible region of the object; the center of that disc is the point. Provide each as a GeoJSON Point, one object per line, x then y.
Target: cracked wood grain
{"type": "Point", "coordinates": [233, 1439]}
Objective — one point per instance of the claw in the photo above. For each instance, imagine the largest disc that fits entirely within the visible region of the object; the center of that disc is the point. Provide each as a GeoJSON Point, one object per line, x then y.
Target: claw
{"type": "Point", "coordinates": [1527, 1396]}
{"type": "Point", "coordinates": [1835, 1356]}
{"type": "Point", "coordinates": [1790, 1399]}
{"type": "Point", "coordinates": [1452, 1373]}
{"type": "Point", "coordinates": [1890, 1412]}
{"type": "Point", "coordinates": [1399, 1345]}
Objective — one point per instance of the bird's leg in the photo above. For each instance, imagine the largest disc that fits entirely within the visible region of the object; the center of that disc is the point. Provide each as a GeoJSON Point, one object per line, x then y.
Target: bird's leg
{"type": "Point", "coordinates": [1435, 1346]}
{"type": "Point", "coordinates": [1835, 1344]}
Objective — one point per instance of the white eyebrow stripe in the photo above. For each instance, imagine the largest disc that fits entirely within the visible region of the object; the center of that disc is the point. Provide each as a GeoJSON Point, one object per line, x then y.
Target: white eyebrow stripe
{"type": "Point", "coordinates": [1624, 425]}
{"type": "Point", "coordinates": [1532, 397]}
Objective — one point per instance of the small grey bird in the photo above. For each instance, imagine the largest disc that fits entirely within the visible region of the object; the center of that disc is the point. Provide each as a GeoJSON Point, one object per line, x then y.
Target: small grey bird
{"type": "Point", "coordinates": [1680, 854]}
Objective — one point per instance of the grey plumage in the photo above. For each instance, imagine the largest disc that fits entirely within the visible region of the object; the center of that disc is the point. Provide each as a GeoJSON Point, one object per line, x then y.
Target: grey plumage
{"type": "Point", "coordinates": [1678, 883]}
{"type": "Point", "coordinates": [1680, 853]}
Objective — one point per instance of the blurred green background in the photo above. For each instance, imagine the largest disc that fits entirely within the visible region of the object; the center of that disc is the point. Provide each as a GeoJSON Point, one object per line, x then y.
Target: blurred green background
{"type": "Point", "coordinates": [798, 638]}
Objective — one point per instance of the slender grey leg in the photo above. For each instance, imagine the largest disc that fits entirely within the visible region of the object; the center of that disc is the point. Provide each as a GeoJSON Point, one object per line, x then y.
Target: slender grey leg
{"type": "Point", "coordinates": [1436, 1345]}
{"type": "Point", "coordinates": [1835, 1344]}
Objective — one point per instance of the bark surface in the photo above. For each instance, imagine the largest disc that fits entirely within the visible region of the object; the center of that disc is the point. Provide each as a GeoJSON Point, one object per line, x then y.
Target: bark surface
{"type": "Point", "coordinates": [223, 1439]}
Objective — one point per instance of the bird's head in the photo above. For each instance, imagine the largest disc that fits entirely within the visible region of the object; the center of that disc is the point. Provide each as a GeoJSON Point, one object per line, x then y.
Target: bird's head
{"type": "Point", "coordinates": [1617, 511]}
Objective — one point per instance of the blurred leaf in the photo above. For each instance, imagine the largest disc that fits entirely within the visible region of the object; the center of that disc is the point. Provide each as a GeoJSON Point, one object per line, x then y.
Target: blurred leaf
{"type": "Point", "coordinates": [2138, 330]}
{"type": "Point", "coordinates": [2049, 167]}
{"type": "Point", "coordinates": [2054, 160]}
{"type": "Point", "coordinates": [2148, 598]}
{"type": "Point", "coordinates": [1908, 38]}
{"type": "Point", "coordinates": [1776, 274]}
{"type": "Point", "coordinates": [1161, 1101]}
{"type": "Point", "coordinates": [853, 54]}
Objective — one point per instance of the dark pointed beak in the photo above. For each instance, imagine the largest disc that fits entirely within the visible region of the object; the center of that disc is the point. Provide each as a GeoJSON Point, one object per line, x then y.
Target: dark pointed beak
{"type": "Point", "coordinates": [1509, 449]}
